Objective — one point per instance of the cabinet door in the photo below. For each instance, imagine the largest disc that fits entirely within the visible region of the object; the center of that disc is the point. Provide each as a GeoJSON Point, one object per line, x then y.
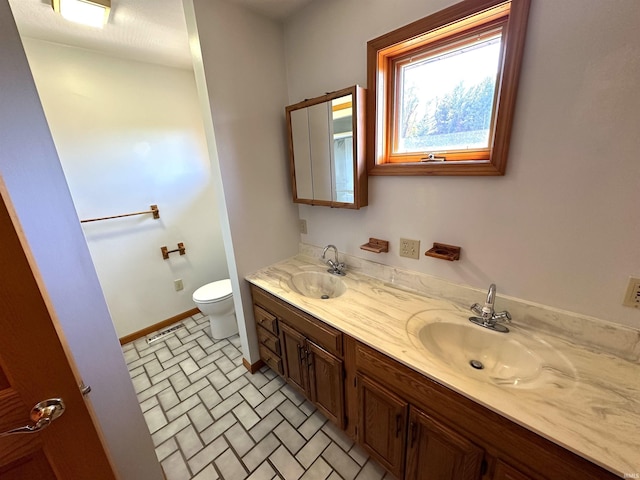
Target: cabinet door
{"type": "Point", "coordinates": [382, 426]}
{"type": "Point", "coordinates": [326, 383]}
{"type": "Point", "coordinates": [294, 357]}
{"type": "Point", "coordinates": [507, 472]}
{"type": "Point", "coordinates": [436, 452]}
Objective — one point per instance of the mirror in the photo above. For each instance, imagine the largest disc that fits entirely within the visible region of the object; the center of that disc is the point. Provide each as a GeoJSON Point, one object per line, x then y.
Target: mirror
{"type": "Point", "coordinates": [326, 147]}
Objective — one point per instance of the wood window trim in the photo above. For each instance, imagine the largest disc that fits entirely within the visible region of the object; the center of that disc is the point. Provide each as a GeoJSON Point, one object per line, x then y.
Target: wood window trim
{"type": "Point", "coordinates": [452, 20]}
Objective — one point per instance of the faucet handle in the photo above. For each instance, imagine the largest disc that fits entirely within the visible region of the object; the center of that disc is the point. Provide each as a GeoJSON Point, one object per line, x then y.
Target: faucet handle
{"type": "Point", "coordinates": [338, 268]}
{"type": "Point", "coordinates": [476, 308]}
{"type": "Point", "coordinates": [502, 316]}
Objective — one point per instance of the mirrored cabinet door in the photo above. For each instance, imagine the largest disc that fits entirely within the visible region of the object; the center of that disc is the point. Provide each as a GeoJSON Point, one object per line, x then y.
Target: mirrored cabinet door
{"type": "Point", "coordinates": [326, 145]}
{"type": "Point", "coordinates": [301, 154]}
{"type": "Point", "coordinates": [320, 147]}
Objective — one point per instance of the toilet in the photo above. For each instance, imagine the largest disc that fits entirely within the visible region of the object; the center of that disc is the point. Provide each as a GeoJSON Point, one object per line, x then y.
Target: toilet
{"type": "Point", "coordinates": [215, 300]}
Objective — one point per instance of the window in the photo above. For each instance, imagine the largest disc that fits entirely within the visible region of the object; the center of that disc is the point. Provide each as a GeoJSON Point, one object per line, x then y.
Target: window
{"type": "Point", "coordinates": [442, 91]}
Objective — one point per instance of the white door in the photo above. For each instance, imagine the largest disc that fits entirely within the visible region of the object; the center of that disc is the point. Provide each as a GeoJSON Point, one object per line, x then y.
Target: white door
{"type": "Point", "coordinates": [42, 214]}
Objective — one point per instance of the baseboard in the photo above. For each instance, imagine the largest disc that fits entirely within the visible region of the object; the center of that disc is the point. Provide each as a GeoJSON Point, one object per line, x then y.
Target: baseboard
{"type": "Point", "coordinates": [158, 326]}
{"type": "Point", "coordinates": [252, 368]}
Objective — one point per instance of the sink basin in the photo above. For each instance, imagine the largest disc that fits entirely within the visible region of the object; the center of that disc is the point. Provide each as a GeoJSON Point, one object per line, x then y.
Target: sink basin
{"type": "Point", "coordinates": [317, 285]}
{"type": "Point", "coordinates": [502, 359]}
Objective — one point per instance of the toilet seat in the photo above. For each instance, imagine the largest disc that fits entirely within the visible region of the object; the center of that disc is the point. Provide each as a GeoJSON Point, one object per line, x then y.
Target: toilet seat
{"type": "Point", "coordinates": [213, 292]}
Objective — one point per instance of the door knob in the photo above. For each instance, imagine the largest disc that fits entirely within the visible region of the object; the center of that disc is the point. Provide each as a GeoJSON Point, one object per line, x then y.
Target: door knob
{"type": "Point", "coordinates": [42, 415]}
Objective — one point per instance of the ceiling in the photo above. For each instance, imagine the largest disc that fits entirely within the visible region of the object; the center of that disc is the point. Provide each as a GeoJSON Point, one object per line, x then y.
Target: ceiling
{"type": "Point", "coordinates": [146, 30]}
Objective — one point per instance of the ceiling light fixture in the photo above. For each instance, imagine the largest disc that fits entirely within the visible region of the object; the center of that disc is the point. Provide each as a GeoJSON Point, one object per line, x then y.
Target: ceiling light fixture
{"type": "Point", "coordinates": [93, 13]}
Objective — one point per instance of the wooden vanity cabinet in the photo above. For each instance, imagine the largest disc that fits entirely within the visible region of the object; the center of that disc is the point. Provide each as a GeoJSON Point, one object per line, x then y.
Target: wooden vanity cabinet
{"type": "Point", "coordinates": [413, 426]}
{"type": "Point", "coordinates": [409, 443]}
{"type": "Point", "coordinates": [450, 437]}
{"type": "Point", "coordinates": [326, 383]}
{"type": "Point", "coordinates": [435, 451]}
{"type": "Point", "coordinates": [309, 352]}
{"type": "Point", "coordinates": [315, 373]}
{"type": "Point", "coordinates": [382, 426]}
{"type": "Point", "coordinates": [267, 330]}
{"type": "Point", "coordinates": [295, 360]}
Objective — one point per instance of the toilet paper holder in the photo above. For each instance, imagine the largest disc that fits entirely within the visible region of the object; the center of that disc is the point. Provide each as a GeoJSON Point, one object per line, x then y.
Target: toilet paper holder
{"type": "Point", "coordinates": [165, 251]}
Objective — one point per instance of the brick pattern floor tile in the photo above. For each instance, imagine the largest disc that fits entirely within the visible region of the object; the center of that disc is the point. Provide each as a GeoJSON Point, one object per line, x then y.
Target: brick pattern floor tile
{"type": "Point", "coordinates": [211, 419]}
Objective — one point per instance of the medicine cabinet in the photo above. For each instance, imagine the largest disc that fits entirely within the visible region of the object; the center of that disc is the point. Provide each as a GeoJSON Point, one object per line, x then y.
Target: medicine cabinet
{"type": "Point", "coordinates": [326, 147]}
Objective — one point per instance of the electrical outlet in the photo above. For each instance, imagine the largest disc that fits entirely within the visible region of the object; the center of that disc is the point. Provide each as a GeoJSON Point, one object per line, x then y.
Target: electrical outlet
{"type": "Point", "coordinates": [410, 248]}
{"type": "Point", "coordinates": [178, 285]}
{"type": "Point", "coordinates": [632, 297]}
{"type": "Point", "coordinates": [303, 226]}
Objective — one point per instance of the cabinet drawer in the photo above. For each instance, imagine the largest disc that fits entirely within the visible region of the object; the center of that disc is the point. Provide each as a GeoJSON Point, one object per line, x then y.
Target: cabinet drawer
{"type": "Point", "coordinates": [271, 359]}
{"type": "Point", "coordinates": [269, 340]}
{"type": "Point", "coordinates": [324, 335]}
{"type": "Point", "coordinates": [265, 319]}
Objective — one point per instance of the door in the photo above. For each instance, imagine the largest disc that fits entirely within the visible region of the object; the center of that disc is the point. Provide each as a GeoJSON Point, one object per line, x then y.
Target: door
{"type": "Point", "coordinates": [294, 357]}
{"type": "Point", "coordinates": [382, 428]}
{"type": "Point", "coordinates": [436, 452]}
{"type": "Point", "coordinates": [33, 368]}
{"type": "Point", "coordinates": [326, 383]}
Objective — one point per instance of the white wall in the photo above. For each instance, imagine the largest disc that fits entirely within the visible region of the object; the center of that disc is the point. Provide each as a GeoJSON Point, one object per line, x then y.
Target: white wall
{"type": "Point", "coordinates": [561, 227]}
{"type": "Point", "coordinates": [34, 179]}
{"type": "Point", "coordinates": [129, 135]}
{"type": "Point", "coordinates": [243, 90]}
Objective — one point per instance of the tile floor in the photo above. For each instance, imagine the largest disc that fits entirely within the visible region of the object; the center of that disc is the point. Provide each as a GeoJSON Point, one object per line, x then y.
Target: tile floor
{"type": "Point", "coordinates": [211, 419]}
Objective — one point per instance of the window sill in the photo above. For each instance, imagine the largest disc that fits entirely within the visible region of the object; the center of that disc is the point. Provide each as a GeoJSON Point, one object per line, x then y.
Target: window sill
{"type": "Point", "coordinates": [460, 168]}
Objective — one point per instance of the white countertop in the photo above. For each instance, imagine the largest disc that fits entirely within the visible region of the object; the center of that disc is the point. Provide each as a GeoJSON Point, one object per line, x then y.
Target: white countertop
{"type": "Point", "coordinates": [597, 416]}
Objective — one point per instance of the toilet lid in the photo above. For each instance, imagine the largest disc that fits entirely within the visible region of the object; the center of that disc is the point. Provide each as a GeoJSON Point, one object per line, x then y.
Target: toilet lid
{"type": "Point", "coordinates": [213, 292]}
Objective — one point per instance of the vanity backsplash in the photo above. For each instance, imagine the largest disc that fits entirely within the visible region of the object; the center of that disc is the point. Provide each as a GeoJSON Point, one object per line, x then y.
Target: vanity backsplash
{"type": "Point", "coordinates": [597, 335]}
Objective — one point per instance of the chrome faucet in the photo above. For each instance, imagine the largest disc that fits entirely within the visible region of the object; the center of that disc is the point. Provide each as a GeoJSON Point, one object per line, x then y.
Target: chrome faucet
{"type": "Point", "coordinates": [486, 316]}
{"type": "Point", "coordinates": [337, 268]}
